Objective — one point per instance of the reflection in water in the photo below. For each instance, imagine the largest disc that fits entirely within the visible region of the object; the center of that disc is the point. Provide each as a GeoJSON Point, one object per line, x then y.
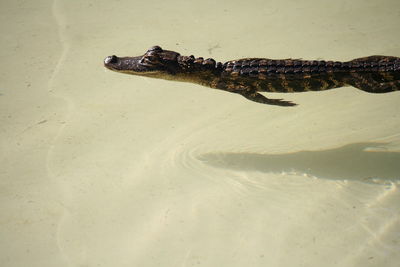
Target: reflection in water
{"type": "Point", "coordinates": [350, 162]}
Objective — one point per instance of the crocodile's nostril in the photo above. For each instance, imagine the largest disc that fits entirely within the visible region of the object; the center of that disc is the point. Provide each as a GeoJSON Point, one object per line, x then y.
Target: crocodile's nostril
{"type": "Point", "coordinates": [110, 59]}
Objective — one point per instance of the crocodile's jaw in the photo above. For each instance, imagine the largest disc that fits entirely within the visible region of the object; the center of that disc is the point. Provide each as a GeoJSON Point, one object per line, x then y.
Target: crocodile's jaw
{"type": "Point", "coordinates": [132, 65]}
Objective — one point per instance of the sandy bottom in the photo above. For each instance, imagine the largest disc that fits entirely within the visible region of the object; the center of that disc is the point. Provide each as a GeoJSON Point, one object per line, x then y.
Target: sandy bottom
{"type": "Point", "coordinates": [104, 169]}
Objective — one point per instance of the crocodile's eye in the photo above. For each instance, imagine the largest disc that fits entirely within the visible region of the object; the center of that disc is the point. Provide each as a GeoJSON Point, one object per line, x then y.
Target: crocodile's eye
{"type": "Point", "coordinates": [152, 57]}
{"type": "Point", "coordinates": [151, 53]}
{"type": "Point", "coordinates": [155, 49]}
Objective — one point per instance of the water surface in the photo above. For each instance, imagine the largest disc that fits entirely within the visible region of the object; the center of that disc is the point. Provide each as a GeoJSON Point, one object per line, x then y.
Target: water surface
{"type": "Point", "coordinates": [104, 169]}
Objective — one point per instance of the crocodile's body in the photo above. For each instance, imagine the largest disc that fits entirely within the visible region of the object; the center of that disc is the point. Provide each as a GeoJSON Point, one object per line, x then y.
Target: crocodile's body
{"type": "Point", "coordinates": [249, 76]}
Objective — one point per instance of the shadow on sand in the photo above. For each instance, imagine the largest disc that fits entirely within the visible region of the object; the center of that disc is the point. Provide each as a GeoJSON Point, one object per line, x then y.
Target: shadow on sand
{"type": "Point", "coordinates": [349, 162]}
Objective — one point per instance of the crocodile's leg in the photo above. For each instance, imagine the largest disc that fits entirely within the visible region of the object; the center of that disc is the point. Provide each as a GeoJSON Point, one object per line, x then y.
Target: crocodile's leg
{"type": "Point", "coordinates": [252, 95]}
{"type": "Point", "coordinates": [259, 98]}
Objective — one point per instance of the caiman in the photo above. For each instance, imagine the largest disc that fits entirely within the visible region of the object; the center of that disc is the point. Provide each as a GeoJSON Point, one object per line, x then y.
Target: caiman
{"type": "Point", "coordinates": [249, 76]}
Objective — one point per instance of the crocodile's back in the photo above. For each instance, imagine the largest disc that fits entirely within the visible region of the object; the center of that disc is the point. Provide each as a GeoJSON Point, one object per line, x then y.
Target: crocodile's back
{"type": "Point", "coordinates": [292, 75]}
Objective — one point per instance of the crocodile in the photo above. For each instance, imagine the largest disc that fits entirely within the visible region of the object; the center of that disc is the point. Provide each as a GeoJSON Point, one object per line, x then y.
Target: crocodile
{"type": "Point", "coordinates": [250, 76]}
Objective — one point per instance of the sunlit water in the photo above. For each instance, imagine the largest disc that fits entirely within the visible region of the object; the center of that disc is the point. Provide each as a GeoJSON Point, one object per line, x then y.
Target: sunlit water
{"type": "Point", "coordinates": [104, 169]}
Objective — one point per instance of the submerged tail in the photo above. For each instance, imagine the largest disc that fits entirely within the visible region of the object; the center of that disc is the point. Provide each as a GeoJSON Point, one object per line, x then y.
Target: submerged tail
{"type": "Point", "coordinates": [375, 74]}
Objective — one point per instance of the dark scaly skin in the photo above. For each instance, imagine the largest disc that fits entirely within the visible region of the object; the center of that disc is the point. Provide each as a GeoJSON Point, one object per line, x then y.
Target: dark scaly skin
{"type": "Point", "coordinates": [249, 76]}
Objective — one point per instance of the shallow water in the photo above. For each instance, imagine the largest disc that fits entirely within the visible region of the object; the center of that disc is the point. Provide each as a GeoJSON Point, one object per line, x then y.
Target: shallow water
{"type": "Point", "coordinates": [104, 169]}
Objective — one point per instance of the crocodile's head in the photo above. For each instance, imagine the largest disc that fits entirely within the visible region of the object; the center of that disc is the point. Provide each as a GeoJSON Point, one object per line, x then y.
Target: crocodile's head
{"type": "Point", "coordinates": [156, 62]}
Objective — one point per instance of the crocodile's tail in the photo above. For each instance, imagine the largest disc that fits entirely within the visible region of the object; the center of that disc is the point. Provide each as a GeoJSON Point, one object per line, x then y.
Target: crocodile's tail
{"type": "Point", "coordinates": [378, 74]}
